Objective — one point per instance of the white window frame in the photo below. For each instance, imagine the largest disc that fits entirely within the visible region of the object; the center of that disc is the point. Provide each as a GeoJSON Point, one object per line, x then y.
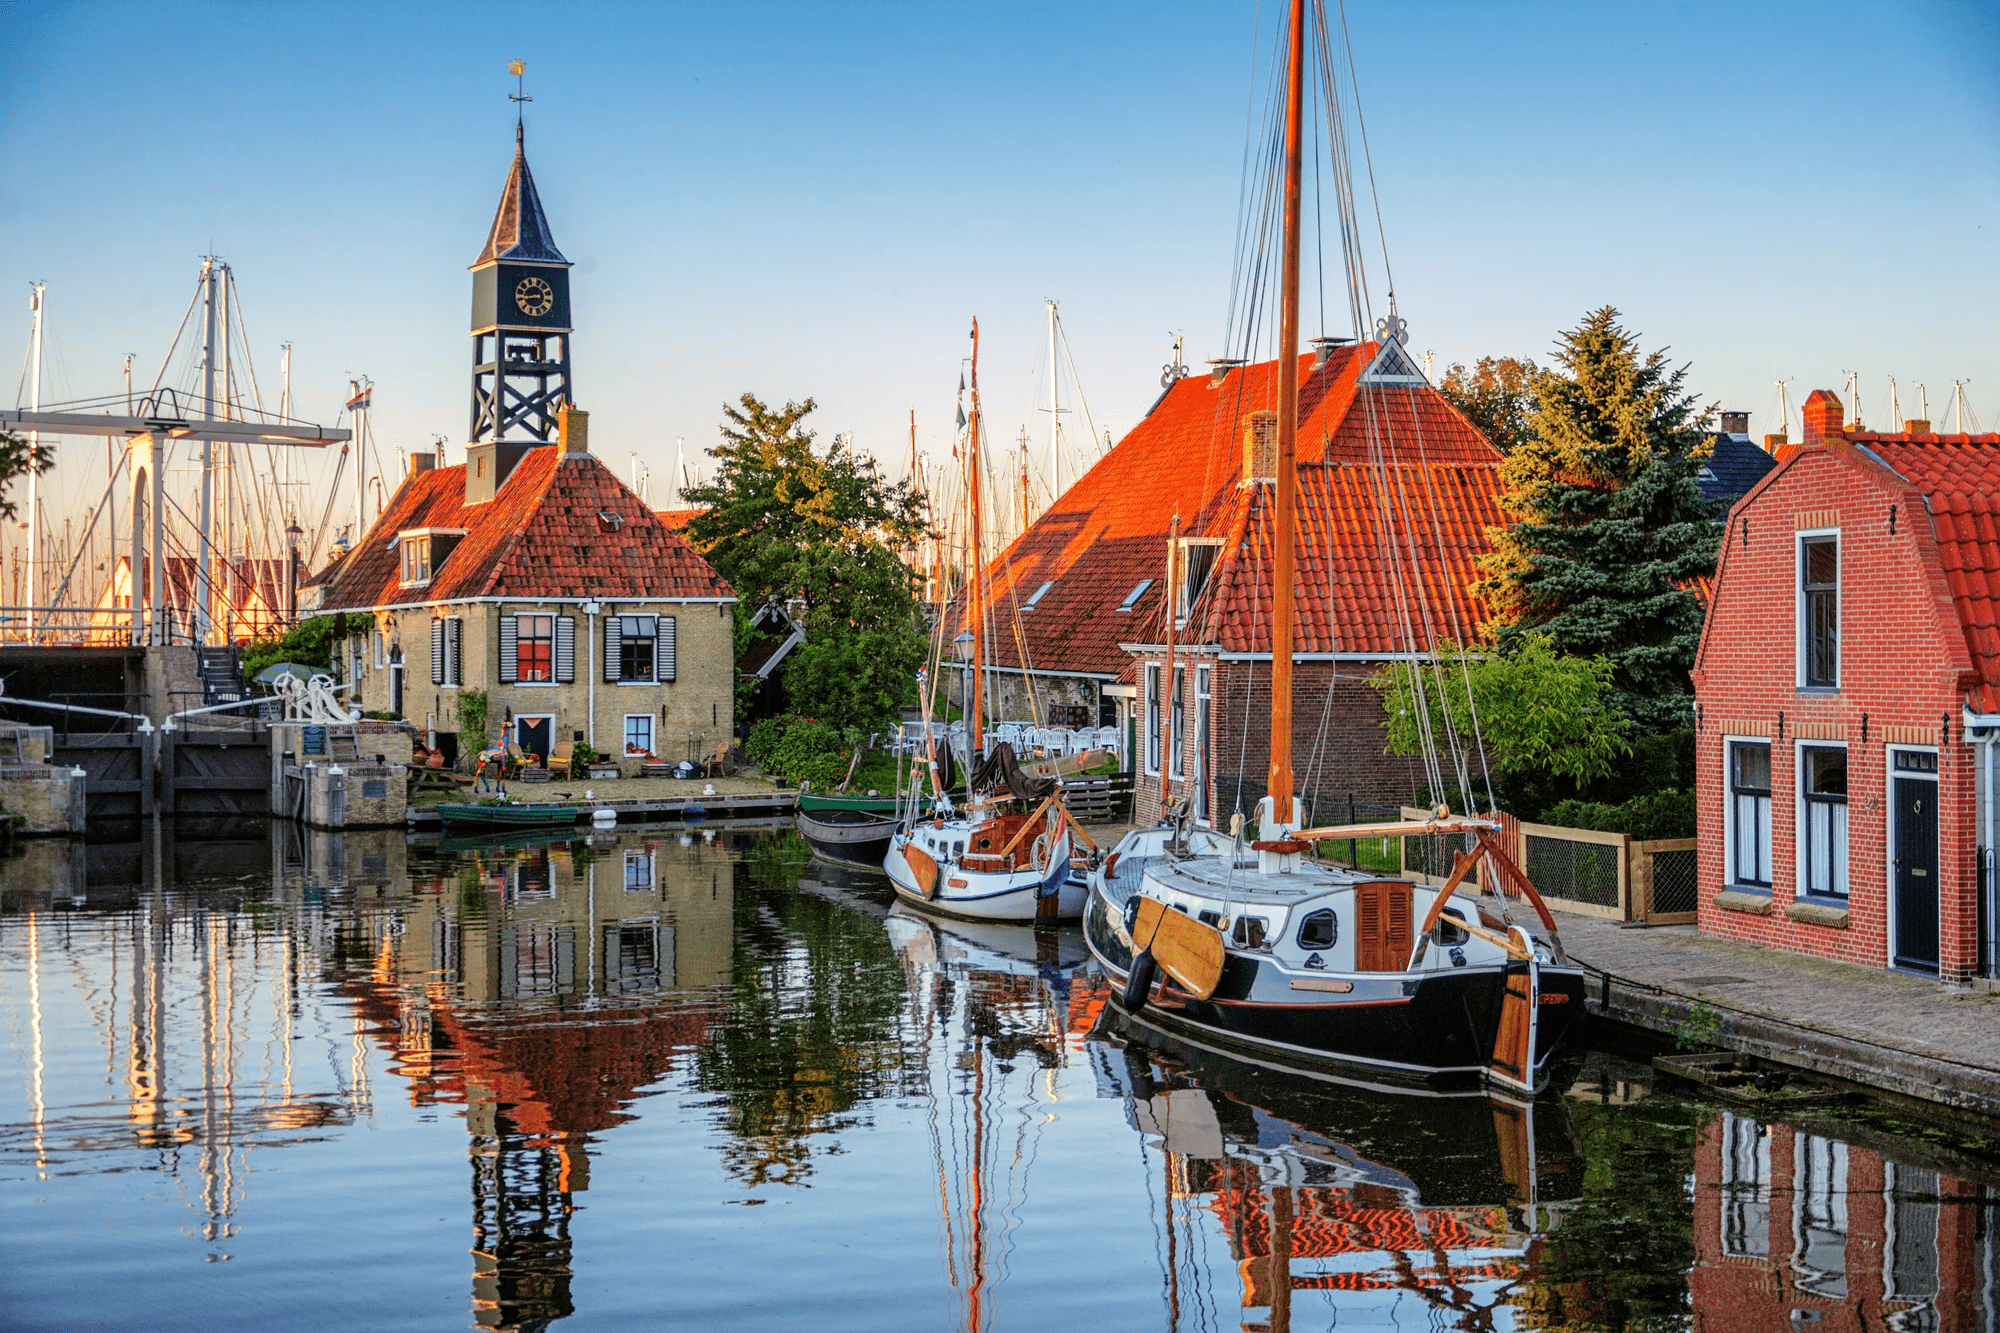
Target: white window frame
{"type": "Point", "coordinates": [1176, 725]}
{"type": "Point", "coordinates": [1729, 819]}
{"type": "Point", "coordinates": [415, 549]}
{"type": "Point", "coordinates": [1151, 719]}
{"type": "Point", "coordinates": [1802, 635]}
{"type": "Point", "coordinates": [652, 734]}
{"type": "Point", "coordinates": [1801, 833]}
{"type": "Point", "coordinates": [1818, 1195]}
{"type": "Point", "coordinates": [640, 856]}
{"type": "Point", "coordinates": [1889, 850]}
{"type": "Point", "coordinates": [1744, 1186]}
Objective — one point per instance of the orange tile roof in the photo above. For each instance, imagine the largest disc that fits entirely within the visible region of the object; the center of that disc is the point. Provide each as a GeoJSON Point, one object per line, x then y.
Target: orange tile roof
{"type": "Point", "coordinates": [1379, 467]}
{"type": "Point", "coordinates": [1959, 476]}
{"type": "Point", "coordinates": [540, 536]}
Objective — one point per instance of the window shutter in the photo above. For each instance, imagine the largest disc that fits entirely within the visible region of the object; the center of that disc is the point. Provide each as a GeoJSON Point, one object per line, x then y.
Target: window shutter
{"type": "Point", "coordinates": [455, 643]}
{"type": "Point", "coordinates": [665, 647]}
{"type": "Point", "coordinates": [510, 647]}
{"type": "Point", "coordinates": [613, 632]}
{"type": "Point", "coordinates": [565, 649]}
{"type": "Point", "coordinates": [437, 651]}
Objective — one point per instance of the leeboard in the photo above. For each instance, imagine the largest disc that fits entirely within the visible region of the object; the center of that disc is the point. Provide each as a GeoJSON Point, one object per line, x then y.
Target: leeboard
{"type": "Point", "coordinates": [924, 868]}
{"type": "Point", "coordinates": [1185, 949]}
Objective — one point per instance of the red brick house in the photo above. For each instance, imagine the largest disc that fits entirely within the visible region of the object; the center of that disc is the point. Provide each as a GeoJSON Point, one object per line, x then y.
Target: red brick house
{"type": "Point", "coordinates": [1397, 491]}
{"type": "Point", "coordinates": [1848, 701]}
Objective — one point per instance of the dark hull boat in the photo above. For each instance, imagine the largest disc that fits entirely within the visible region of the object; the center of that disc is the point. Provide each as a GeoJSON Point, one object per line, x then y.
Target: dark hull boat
{"type": "Point", "coordinates": [856, 839]}
{"type": "Point", "coordinates": [1318, 979]}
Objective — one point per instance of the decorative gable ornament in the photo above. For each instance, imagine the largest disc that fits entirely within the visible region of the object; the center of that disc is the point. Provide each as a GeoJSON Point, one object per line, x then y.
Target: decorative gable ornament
{"type": "Point", "coordinates": [1392, 364]}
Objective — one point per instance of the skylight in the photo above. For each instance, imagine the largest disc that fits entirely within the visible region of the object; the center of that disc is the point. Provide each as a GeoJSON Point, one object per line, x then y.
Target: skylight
{"type": "Point", "coordinates": [1132, 598]}
{"type": "Point", "coordinates": [1030, 603]}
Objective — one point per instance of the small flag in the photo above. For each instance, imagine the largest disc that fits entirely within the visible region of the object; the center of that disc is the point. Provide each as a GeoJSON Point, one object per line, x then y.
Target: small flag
{"type": "Point", "coordinates": [961, 416]}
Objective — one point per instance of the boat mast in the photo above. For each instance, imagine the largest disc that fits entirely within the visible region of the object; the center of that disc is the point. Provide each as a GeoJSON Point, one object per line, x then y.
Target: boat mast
{"type": "Point", "coordinates": [1055, 418]}
{"type": "Point", "coordinates": [976, 560]}
{"type": "Point", "coordinates": [1285, 491]}
{"type": "Point", "coordinates": [204, 590]}
{"type": "Point", "coordinates": [1167, 728]}
{"type": "Point", "coordinates": [34, 477]}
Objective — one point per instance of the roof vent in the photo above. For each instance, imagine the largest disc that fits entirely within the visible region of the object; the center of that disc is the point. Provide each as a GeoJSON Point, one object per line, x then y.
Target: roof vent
{"type": "Point", "coordinates": [1323, 347]}
{"type": "Point", "coordinates": [1735, 423]}
{"type": "Point", "coordinates": [1223, 365]}
{"type": "Point", "coordinates": [1260, 447]}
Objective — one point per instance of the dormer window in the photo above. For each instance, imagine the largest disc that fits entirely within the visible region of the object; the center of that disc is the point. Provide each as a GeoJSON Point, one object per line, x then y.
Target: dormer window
{"type": "Point", "coordinates": [1197, 563]}
{"type": "Point", "coordinates": [424, 551]}
{"type": "Point", "coordinates": [607, 521]}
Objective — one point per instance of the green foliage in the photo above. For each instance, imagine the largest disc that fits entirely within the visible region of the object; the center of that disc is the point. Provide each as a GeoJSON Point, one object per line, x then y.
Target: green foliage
{"type": "Point", "coordinates": [1657, 814]}
{"type": "Point", "coordinates": [17, 459]}
{"type": "Point", "coordinates": [1613, 533]}
{"type": "Point", "coordinates": [471, 722]}
{"type": "Point", "coordinates": [1537, 709]}
{"type": "Point", "coordinates": [1699, 1029]}
{"type": "Point", "coordinates": [784, 520]}
{"type": "Point", "coordinates": [799, 749]}
{"type": "Point", "coordinates": [309, 643]}
{"type": "Point", "coordinates": [1497, 396]}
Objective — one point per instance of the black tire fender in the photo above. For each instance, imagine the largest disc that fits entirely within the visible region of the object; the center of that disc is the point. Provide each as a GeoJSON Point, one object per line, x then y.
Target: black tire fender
{"type": "Point", "coordinates": [1138, 982]}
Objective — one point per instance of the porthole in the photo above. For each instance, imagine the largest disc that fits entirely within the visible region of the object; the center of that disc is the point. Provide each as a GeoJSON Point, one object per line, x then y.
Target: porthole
{"type": "Point", "coordinates": [1319, 930]}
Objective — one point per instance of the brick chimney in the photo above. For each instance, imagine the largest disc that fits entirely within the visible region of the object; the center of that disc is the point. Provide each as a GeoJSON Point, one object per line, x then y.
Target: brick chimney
{"type": "Point", "coordinates": [1917, 426]}
{"type": "Point", "coordinates": [1825, 417]}
{"type": "Point", "coordinates": [573, 429]}
{"type": "Point", "coordinates": [422, 462]}
{"type": "Point", "coordinates": [1735, 423]}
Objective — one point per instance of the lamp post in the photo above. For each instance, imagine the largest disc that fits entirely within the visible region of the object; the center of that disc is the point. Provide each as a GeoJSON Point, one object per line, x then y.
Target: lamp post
{"type": "Point", "coordinates": [961, 652]}
{"type": "Point", "coordinates": [292, 534]}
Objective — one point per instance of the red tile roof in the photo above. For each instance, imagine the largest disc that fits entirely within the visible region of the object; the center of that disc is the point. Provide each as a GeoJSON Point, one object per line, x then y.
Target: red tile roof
{"type": "Point", "coordinates": [1959, 476]}
{"type": "Point", "coordinates": [540, 536]}
{"type": "Point", "coordinates": [1380, 467]}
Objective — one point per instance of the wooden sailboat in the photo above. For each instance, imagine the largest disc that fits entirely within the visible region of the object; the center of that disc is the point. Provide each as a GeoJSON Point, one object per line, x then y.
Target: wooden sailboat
{"type": "Point", "coordinates": [1261, 950]}
{"type": "Point", "coordinates": [1006, 857]}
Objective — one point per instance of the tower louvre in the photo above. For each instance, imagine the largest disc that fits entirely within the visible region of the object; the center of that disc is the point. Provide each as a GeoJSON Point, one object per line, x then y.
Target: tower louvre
{"type": "Point", "coordinates": [520, 320]}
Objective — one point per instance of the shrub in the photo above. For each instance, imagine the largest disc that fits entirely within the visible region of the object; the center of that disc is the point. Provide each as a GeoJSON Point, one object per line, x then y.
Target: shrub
{"type": "Point", "coordinates": [1659, 814]}
{"type": "Point", "coordinates": [798, 749]}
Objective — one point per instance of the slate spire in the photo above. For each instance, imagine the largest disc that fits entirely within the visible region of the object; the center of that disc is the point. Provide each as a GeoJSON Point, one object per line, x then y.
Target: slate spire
{"type": "Point", "coordinates": [520, 228]}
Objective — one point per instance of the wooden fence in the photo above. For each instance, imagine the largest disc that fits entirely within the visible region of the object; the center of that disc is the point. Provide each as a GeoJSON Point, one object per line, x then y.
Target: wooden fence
{"type": "Point", "coordinates": [1610, 875]}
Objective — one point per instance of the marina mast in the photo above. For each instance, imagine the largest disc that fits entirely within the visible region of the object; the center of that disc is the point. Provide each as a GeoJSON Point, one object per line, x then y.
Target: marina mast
{"type": "Point", "coordinates": [1285, 489]}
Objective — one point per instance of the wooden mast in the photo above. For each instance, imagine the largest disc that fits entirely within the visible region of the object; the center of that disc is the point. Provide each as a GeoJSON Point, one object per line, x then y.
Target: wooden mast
{"type": "Point", "coordinates": [1284, 524]}
{"type": "Point", "coordinates": [976, 571]}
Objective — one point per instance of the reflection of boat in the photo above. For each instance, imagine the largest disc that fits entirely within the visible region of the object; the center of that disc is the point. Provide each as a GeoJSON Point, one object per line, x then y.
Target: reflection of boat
{"type": "Point", "coordinates": [500, 839]}
{"type": "Point", "coordinates": [1263, 950]}
{"type": "Point", "coordinates": [986, 946]}
{"type": "Point", "coordinates": [853, 838]}
{"type": "Point", "coordinates": [505, 816]}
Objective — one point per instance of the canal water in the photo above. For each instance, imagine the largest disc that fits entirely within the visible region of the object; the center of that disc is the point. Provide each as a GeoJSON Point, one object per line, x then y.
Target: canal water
{"type": "Point", "coordinates": [665, 1078]}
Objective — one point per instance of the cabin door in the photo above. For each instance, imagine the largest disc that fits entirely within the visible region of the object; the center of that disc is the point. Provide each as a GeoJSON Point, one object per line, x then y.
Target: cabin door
{"type": "Point", "coordinates": [1382, 926]}
{"type": "Point", "coordinates": [1915, 801]}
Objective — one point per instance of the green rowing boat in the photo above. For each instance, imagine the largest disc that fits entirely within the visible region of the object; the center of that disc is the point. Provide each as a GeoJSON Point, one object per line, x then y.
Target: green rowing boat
{"type": "Point", "coordinates": [505, 816]}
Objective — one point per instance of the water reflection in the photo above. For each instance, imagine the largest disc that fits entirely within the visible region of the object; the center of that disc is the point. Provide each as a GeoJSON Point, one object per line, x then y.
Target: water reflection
{"type": "Point", "coordinates": [624, 1040]}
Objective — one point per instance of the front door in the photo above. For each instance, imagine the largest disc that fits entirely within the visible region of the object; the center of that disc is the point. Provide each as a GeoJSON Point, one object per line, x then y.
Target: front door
{"type": "Point", "coordinates": [532, 734]}
{"type": "Point", "coordinates": [396, 683]}
{"type": "Point", "coordinates": [1916, 867]}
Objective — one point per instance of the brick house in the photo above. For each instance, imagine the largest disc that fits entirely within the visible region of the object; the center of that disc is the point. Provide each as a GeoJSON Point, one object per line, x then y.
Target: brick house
{"type": "Point", "coordinates": [537, 576]}
{"type": "Point", "coordinates": [1387, 469]}
{"type": "Point", "coordinates": [1848, 701]}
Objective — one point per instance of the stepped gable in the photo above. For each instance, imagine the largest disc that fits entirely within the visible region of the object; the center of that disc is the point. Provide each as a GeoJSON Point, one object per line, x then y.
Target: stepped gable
{"type": "Point", "coordinates": [540, 536]}
{"type": "Point", "coordinates": [1959, 476]}
{"type": "Point", "coordinates": [1109, 531]}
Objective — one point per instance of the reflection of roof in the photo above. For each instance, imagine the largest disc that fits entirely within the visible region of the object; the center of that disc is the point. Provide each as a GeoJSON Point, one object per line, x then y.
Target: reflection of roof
{"type": "Point", "coordinates": [539, 536]}
{"type": "Point", "coordinates": [1733, 466]}
{"type": "Point", "coordinates": [1330, 1222]}
{"type": "Point", "coordinates": [1436, 492]}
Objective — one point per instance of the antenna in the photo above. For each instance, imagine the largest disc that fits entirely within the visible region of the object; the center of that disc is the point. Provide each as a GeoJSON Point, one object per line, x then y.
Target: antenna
{"type": "Point", "coordinates": [1923, 401]}
{"type": "Point", "coordinates": [1854, 392]}
{"type": "Point", "coordinates": [1895, 407]}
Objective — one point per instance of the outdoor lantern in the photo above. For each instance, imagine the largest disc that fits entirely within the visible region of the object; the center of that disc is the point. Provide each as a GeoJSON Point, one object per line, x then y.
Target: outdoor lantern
{"type": "Point", "coordinates": [961, 647]}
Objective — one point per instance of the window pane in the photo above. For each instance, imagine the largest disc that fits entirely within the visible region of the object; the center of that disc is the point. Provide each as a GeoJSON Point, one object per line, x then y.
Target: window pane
{"type": "Point", "coordinates": [1826, 772]}
{"type": "Point", "coordinates": [1822, 563]}
{"type": "Point", "coordinates": [1764, 840]}
{"type": "Point", "coordinates": [1753, 767]}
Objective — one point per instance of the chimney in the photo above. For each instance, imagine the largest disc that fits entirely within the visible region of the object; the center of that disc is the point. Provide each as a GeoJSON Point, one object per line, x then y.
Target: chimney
{"type": "Point", "coordinates": [1735, 423]}
{"type": "Point", "coordinates": [421, 463]}
{"type": "Point", "coordinates": [573, 427]}
{"type": "Point", "coordinates": [1917, 426]}
{"type": "Point", "coordinates": [1825, 417]}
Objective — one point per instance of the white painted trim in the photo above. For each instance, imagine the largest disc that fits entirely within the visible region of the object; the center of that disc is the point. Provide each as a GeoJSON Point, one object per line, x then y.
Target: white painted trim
{"type": "Point", "coordinates": [1889, 845]}
{"type": "Point", "coordinates": [1729, 880]}
{"type": "Point", "coordinates": [527, 601]}
{"type": "Point", "coordinates": [1799, 538]}
{"type": "Point", "coordinates": [1799, 747]}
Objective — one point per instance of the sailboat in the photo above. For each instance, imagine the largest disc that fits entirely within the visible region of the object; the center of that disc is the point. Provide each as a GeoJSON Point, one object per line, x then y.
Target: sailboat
{"type": "Point", "coordinates": [1260, 950]}
{"type": "Point", "coordinates": [1006, 856]}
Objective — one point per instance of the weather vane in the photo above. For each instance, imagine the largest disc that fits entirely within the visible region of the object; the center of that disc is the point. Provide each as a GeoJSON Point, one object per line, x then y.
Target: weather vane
{"type": "Point", "coordinates": [519, 69]}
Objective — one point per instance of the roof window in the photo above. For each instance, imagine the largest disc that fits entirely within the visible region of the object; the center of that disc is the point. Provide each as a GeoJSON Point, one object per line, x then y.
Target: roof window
{"type": "Point", "coordinates": [608, 521]}
{"type": "Point", "coordinates": [1029, 605]}
{"type": "Point", "coordinates": [1132, 598]}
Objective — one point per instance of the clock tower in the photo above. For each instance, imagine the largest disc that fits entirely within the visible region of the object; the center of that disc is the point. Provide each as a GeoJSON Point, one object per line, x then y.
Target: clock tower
{"type": "Point", "coordinates": [520, 324]}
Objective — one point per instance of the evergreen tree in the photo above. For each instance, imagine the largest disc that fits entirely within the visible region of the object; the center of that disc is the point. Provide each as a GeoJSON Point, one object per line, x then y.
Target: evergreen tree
{"type": "Point", "coordinates": [1613, 535]}
{"type": "Point", "coordinates": [1497, 396]}
{"type": "Point", "coordinates": [784, 520]}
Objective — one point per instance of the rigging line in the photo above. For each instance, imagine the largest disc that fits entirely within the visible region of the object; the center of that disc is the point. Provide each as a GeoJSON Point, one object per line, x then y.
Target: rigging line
{"type": "Point", "coordinates": [1244, 195]}
{"type": "Point", "coordinates": [171, 347]}
{"type": "Point", "coordinates": [1367, 158]}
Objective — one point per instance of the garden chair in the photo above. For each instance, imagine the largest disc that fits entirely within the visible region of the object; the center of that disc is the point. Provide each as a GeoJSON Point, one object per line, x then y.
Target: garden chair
{"type": "Point", "coordinates": [562, 759]}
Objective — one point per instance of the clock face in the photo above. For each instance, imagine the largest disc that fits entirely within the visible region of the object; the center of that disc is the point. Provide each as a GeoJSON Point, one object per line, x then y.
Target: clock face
{"type": "Point", "coordinates": [535, 297]}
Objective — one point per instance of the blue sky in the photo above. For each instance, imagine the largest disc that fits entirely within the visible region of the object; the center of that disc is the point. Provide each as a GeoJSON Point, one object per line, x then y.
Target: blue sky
{"type": "Point", "coordinates": [812, 199]}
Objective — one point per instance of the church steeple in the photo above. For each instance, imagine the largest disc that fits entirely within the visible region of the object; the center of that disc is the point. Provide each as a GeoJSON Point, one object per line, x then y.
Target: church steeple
{"type": "Point", "coordinates": [520, 330]}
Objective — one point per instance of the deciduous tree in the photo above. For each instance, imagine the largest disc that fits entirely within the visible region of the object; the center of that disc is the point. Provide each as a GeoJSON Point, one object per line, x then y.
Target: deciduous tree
{"type": "Point", "coordinates": [1497, 395]}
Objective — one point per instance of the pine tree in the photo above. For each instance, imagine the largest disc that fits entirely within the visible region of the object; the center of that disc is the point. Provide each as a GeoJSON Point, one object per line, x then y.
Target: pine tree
{"type": "Point", "coordinates": [784, 520]}
{"type": "Point", "coordinates": [1613, 537]}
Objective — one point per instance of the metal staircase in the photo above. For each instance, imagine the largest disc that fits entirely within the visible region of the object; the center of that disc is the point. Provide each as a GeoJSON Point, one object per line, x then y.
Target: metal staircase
{"type": "Point", "coordinates": [221, 676]}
